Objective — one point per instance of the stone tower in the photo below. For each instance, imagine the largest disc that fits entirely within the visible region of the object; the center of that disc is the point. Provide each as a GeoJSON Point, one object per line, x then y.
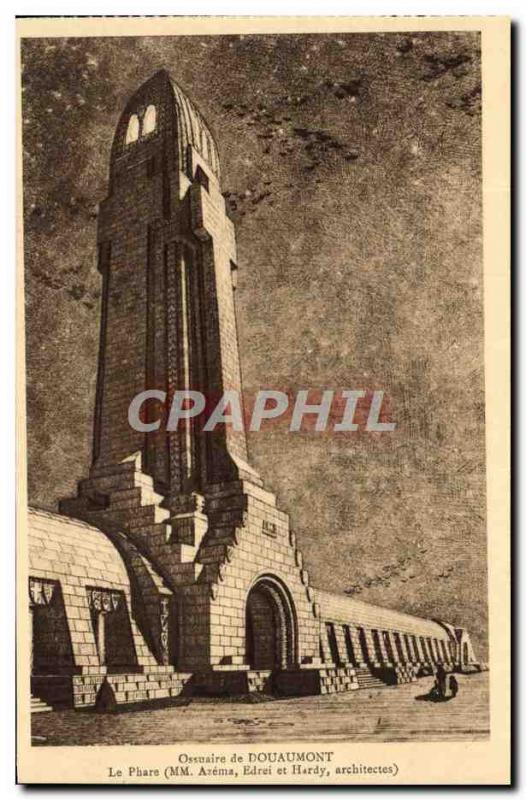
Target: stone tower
{"type": "Point", "coordinates": [167, 255]}
{"type": "Point", "coordinates": [186, 499]}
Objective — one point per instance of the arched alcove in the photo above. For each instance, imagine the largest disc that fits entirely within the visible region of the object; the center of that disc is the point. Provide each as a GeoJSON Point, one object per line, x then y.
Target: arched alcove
{"type": "Point", "coordinates": [270, 626]}
{"type": "Point", "coordinates": [51, 648]}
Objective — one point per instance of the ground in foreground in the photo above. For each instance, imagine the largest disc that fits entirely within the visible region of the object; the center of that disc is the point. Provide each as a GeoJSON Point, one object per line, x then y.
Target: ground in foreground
{"type": "Point", "coordinates": [397, 714]}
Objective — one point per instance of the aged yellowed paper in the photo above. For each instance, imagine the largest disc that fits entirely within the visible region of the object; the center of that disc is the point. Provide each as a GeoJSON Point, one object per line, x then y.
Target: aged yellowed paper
{"type": "Point", "coordinates": [263, 400]}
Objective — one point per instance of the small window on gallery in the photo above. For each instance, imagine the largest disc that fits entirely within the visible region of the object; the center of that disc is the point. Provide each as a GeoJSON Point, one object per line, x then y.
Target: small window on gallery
{"type": "Point", "coordinates": [132, 131]}
{"type": "Point", "coordinates": [202, 178]}
{"type": "Point", "coordinates": [150, 120]}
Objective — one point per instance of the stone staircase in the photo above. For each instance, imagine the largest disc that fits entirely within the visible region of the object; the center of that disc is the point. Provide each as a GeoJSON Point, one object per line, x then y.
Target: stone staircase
{"type": "Point", "coordinates": [125, 492]}
{"type": "Point", "coordinates": [38, 706]}
{"type": "Point", "coordinates": [122, 497]}
{"type": "Point", "coordinates": [367, 680]}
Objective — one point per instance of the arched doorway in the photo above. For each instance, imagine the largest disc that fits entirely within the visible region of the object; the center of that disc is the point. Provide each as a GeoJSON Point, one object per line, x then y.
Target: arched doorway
{"type": "Point", "coordinates": [112, 629]}
{"type": "Point", "coordinates": [270, 626]}
{"type": "Point", "coordinates": [51, 648]}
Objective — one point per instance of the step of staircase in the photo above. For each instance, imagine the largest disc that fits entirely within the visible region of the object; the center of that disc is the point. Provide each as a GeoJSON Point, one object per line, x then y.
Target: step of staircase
{"type": "Point", "coordinates": [366, 679]}
{"type": "Point", "coordinates": [145, 516]}
{"type": "Point", "coordinates": [38, 706]}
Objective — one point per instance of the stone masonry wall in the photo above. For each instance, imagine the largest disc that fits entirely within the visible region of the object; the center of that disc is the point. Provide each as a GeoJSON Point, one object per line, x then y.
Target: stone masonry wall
{"type": "Point", "coordinates": [74, 557]}
{"type": "Point", "coordinates": [262, 545]}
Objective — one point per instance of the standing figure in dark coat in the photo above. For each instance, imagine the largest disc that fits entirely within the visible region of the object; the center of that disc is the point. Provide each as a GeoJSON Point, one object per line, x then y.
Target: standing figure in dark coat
{"type": "Point", "coordinates": [441, 677]}
{"type": "Point", "coordinates": [453, 686]}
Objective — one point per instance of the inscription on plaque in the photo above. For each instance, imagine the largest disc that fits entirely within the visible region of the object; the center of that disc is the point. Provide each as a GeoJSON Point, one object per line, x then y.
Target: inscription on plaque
{"type": "Point", "coordinates": [270, 528]}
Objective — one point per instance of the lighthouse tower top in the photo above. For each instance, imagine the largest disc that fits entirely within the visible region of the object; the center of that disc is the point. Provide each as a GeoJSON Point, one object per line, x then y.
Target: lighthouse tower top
{"type": "Point", "coordinates": [160, 109]}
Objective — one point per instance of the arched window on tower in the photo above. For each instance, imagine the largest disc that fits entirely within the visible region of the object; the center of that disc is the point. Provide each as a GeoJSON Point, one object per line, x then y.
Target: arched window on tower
{"type": "Point", "coordinates": [150, 120]}
{"type": "Point", "coordinates": [132, 131]}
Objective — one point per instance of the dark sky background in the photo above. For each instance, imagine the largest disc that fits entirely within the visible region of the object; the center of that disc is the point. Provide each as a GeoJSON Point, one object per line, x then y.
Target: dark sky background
{"type": "Point", "coordinates": [352, 167]}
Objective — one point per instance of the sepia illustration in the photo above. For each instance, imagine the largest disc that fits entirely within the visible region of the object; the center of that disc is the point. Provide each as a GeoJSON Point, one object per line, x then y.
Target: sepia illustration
{"type": "Point", "coordinates": [255, 389]}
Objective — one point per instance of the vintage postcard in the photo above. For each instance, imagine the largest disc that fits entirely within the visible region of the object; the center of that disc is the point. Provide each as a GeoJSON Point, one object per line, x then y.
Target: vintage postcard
{"type": "Point", "coordinates": [263, 400]}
